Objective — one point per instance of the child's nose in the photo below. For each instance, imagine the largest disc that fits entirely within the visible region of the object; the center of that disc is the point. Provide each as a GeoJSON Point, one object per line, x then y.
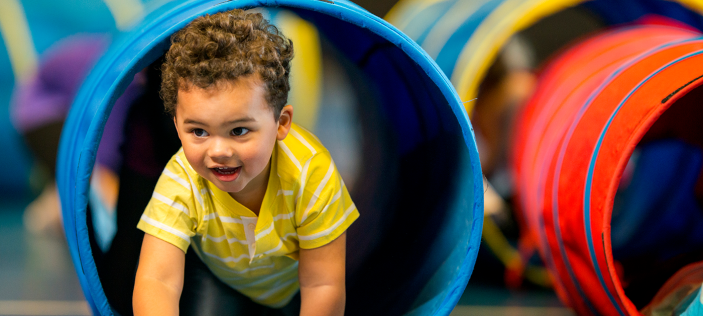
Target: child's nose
{"type": "Point", "coordinates": [220, 149]}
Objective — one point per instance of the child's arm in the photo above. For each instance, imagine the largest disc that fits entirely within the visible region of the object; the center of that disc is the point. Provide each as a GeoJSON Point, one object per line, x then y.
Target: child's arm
{"type": "Point", "coordinates": [321, 272]}
{"type": "Point", "coordinates": [159, 281]}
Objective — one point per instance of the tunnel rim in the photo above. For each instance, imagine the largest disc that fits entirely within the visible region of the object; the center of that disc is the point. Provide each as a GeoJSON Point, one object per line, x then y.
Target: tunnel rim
{"type": "Point", "coordinates": [93, 104]}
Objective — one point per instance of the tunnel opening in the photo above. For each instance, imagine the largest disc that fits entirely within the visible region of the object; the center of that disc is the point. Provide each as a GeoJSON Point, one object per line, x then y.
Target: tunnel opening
{"type": "Point", "coordinates": [404, 143]}
{"type": "Point", "coordinates": [657, 221]}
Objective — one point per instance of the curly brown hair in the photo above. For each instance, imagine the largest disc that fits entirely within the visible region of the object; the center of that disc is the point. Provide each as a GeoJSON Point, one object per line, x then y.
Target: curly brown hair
{"type": "Point", "coordinates": [225, 46]}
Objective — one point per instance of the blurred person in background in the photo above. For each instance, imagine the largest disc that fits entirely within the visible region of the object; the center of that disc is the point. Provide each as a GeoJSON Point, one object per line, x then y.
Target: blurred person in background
{"type": "Point", "coordinates": [38, 109]}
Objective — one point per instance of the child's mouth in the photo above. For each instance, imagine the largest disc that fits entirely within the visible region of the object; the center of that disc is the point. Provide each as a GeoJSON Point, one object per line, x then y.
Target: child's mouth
{"type": "Point", "coordinates": [226, 174]}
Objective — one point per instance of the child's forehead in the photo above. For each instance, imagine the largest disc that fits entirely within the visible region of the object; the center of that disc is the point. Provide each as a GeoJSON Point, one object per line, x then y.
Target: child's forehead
{"type": "Point", "coordinates": [249, 81]}
{"type": "Point", "coordinates": [235, 97]}
{"type": "Point", "coordinates": [235, 91]}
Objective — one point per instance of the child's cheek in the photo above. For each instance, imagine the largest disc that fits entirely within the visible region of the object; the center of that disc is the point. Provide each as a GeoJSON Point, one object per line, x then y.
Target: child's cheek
{"type": "Point", "coordinates": [195, 157]}
{"type": "Point", "coordinates": [256, 156]}
{"type": "Point", "coordinates": [250, 154]}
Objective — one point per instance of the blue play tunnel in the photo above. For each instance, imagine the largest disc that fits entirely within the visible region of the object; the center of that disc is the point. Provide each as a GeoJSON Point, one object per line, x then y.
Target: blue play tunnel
{"type": "Point", "coordinates": [419, 186]}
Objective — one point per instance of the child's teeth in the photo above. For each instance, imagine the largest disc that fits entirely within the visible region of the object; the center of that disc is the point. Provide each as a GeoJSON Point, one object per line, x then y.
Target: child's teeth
{"type": "Point", "coordinates": [225, 170]}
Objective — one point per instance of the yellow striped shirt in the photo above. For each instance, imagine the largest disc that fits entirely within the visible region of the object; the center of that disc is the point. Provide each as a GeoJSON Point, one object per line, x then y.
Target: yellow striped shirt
{"type": "Point", "coordinates": [306, 206]}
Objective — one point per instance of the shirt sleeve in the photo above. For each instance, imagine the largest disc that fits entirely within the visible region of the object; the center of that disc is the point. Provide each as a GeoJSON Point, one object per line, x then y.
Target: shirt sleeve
{"type": "Point", "coordinates": [324, 210]}
{"type": "Point", "coordinates": [170, 214]}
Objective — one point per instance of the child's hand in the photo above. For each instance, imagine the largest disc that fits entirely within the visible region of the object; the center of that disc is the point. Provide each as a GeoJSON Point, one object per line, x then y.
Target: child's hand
{"type": "Point", "coordinates": [322, 285]}
{"type": "Point", "coordinates": [159, 281]}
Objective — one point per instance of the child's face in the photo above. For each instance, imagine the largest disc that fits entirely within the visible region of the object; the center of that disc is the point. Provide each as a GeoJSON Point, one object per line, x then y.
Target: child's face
{"type": "Point", "coordinates": [228, 133]}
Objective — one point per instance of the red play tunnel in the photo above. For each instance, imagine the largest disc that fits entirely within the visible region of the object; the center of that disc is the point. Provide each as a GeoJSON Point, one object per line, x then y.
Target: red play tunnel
{"type": "Point", "coordinates": [628, 90]}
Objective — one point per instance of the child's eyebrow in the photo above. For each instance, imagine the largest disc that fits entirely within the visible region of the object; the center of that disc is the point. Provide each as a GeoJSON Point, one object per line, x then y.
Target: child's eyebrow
{"type": "Point", "coordinates": [189, 121]}
{"type": "Point", "coordinates": [237, 121]}
{"type": "Point", "coordinates": [241, 120]}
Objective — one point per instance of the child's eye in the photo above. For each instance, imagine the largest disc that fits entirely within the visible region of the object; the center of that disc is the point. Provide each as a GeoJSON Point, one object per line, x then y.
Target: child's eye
{"type": "Point", "coordinates": [239, 131]}
{"type": "Point", "coordinates": [199, 132]}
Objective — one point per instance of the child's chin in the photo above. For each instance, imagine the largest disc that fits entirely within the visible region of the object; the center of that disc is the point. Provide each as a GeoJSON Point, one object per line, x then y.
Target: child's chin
{"type": "Point", "coordinates": [231, 188]}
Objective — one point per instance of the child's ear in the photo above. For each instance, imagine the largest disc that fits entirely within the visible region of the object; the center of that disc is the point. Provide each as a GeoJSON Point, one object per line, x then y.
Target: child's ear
{"type": "Point", "coordinates": [284, 122]}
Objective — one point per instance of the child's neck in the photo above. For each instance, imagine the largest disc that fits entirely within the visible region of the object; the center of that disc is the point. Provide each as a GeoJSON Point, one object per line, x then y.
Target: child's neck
{"type": "Point", "coordinates": [253, 194]}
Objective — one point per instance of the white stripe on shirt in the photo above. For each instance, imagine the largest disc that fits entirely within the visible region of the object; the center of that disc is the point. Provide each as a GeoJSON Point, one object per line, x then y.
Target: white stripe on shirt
{"type": "Point", "coordinates": [289, 154]}
{"type": "Point", "coordinates": [247, 270]}
{"type": "Point", "coordinates": [280, 244]}
{"type": "Point", "coordinates": [170, 203]}
{"type": "Point", "coordinates": [303, 179]}
{"type": "Point", "coordinates": [165, 227]}
{"type": "Point", "coordinates": [176, 178]}
{"type": "Point", "coordinates": [224, 219]}
{"type": "Point", "coordinates": [318, 191]}
{"type": "Point", "coordinates": [284, 192]}
{"type": "Point", "coordinates": [331, 228]}
{"type": "Point", "coordinates": [223, 237]}
{"type": "Point", "coordinates": [276, 289]}
{"type": "Point", "coordinates": [283, 216]}
{"type": "Point", "coordinates": [334, 199]}
{"type": "Point", "coordinates": [302, 140]}
{"type": "Point", "coordinates": [288, 235]}
{"type": "Point", "coordinates": [228, 259]}
{"type": "Point", "coordinates": [265, 232]}
{"type": "Point", "coordinates": [194, 188]}
{"type": "Point", "coordinates": [227, 219]}
{"type": "Point", "coordinates": [278, 274]}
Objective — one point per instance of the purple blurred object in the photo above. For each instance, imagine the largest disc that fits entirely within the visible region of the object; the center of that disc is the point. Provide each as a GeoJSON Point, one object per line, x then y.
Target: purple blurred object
{"type": "Point", "coordinates": [47, 96]}
{"type": "Point", "coordinates": [113, 135]}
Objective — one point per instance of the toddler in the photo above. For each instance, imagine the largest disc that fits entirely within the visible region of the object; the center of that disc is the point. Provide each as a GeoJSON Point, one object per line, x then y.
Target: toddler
{"type": "Point", "coordinates": [257, 198]}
